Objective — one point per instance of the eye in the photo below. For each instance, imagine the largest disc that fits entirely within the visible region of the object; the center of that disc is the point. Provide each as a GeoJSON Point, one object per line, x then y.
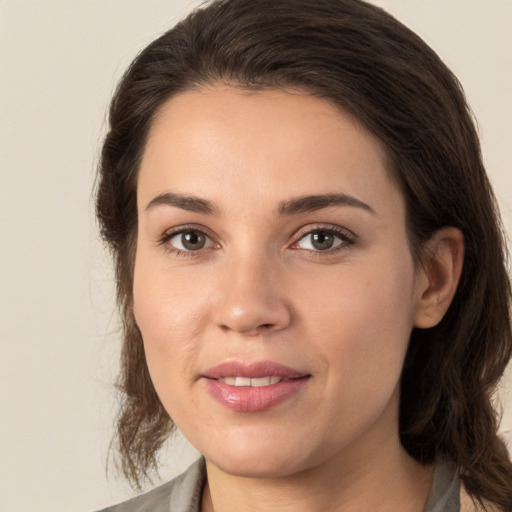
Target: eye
{"type": "Point", "coordinates": [189, 240]}
{"type": "Point", "coordinates": [323, 240]}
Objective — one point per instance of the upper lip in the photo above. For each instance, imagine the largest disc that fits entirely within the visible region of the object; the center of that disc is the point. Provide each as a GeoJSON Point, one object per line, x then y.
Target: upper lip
{"type": "Point", "coordinates": [252, 370]}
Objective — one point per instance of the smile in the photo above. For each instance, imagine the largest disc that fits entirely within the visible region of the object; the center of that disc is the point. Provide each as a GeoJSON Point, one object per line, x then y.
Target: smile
{"type": "Point", "coordinates": [257, 382]}
{"type": "Point", "coordinates": [253, 387]}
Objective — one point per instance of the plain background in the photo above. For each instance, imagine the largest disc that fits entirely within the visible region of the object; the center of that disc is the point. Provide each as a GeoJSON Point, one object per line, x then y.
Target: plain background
{"type": "Point", "coordinates": [60, 60]}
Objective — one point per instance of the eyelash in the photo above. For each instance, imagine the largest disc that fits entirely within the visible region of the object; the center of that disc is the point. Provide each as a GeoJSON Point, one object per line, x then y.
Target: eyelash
{"type": "Point", "coordinates": [346, 238]}
{"type": "Point", "coordinates": [169, 235]}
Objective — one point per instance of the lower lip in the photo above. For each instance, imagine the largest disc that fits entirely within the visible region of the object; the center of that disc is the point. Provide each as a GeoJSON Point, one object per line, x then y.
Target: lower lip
{"type": "Point", "coordinates": [254, 399]}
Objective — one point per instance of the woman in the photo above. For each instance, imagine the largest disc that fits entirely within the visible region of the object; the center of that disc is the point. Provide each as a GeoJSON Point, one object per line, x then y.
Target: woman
{"type": "Point", "coordinates": [309, 265]}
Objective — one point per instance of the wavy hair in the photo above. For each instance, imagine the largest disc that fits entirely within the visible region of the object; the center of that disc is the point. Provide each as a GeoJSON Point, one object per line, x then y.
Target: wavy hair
{"type": "Point", "coordinates": [359, 57]}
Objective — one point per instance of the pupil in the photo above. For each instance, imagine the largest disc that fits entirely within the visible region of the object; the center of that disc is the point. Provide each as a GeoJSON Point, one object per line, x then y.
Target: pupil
{"type": "Point", "coordinates": [322, 240]}
{"type": "Point", "coordinates": [193, 240]}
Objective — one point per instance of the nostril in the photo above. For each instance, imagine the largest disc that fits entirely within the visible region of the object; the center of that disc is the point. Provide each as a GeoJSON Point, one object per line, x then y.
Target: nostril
{"type": "Point", "coordinates": [249, 331]}
{"type": "Point", "coordinates": [250, 314]}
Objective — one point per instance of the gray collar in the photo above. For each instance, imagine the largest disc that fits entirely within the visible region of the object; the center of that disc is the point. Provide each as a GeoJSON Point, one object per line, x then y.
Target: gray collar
{"type": "Point", "coordinates": [184, 493]}
{"type": "Point", "coordinates": [444, 495]}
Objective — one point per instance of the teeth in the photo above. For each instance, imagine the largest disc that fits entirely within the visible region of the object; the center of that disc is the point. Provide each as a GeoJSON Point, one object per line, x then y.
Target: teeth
{"type": "Point", "coordinates": [262, 381]}
{"type": "Point", "coordinates": [246, 381]}
{"type": "Point", "coordinates": [242, 381]}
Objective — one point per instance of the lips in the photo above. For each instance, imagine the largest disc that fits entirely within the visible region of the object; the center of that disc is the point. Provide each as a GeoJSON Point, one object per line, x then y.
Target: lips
{"type": "Point", "coordinates": [253, 387]}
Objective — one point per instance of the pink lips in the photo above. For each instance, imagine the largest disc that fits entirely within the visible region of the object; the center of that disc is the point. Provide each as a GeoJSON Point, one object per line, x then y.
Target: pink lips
{"type": "Point", "coordinates": [256, 398]}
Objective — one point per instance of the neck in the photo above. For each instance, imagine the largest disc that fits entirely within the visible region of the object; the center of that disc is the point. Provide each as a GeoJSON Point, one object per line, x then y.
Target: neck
{"type": "Point", "coordinates": [387, 479]}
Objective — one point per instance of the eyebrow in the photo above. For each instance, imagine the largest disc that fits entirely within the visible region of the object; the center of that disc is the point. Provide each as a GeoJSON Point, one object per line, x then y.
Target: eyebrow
{"type": "Point", "coordinates": [185, 202]}
{"type": "Point", "coordinates": [305, 204]}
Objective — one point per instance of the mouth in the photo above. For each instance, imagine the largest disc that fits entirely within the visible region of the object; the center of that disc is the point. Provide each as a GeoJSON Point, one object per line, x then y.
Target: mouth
{"type": "Point", "coordinates": [262, 373]}
{"type": "Point", "coordinates": [253, 387]}
{"type": "Point", "coordinates": [244, 382]}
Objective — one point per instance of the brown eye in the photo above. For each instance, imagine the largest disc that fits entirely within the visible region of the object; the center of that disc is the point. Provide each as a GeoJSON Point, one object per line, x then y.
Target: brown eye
{"type": "Point", "coordinates": [190, 240]}
{"type": "Point", "coordinates": [322, 240]}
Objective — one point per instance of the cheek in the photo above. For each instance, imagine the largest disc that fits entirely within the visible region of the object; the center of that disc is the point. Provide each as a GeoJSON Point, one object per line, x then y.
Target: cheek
{"type": "Point", "coordinates": [167, 303]}
{"type": "Point", "coordinates": [363, 318]}
{"type": "Point", "coordinates": [167, 310]}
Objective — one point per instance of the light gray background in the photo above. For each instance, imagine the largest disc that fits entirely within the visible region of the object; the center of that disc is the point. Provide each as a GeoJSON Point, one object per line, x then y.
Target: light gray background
{"type": "Point", "coordinates": [59, 343]}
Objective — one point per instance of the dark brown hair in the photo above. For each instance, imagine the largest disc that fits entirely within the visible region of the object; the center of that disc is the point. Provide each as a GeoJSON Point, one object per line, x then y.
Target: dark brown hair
{"type": "Point", "coordinates": [359, 57]}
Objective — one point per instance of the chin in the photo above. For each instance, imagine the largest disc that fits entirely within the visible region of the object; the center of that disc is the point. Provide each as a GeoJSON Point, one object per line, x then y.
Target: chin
{"type": "Point", "coordinates": [260, 469]}
{"type": "Point", "coordinates": [257, 461]}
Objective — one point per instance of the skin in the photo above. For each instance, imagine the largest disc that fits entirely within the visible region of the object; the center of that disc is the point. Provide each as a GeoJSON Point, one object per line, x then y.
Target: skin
{"type": "Point", "coordinates": [260, 290]}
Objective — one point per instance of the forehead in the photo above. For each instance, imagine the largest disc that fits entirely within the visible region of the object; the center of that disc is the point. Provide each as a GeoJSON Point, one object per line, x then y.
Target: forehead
{"type": "Point", "coordinates": [261, 145]}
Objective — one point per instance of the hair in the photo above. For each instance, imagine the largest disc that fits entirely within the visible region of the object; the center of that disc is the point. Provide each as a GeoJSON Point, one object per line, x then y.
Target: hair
{"type": "Point", "coordinates": [360, 58]}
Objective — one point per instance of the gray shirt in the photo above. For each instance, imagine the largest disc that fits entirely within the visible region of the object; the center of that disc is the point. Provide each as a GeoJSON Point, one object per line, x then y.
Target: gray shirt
{"type": "Point", "coordinates": [183, 494]}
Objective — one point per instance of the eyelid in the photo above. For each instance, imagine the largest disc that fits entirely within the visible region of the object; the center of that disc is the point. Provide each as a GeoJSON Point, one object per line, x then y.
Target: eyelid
{"type": "Point", "coordinates": [348, 237]}
{"type": "Point", "coordinates": [164, 239]}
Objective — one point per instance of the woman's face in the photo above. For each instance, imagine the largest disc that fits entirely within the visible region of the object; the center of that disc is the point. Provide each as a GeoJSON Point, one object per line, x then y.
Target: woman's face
{"type": "Point", "coordinates": [274, 286]}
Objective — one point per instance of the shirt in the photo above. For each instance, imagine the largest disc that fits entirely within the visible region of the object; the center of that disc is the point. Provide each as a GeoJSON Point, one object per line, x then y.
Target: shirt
{"type": "Point", "coordinates": [184, 493]}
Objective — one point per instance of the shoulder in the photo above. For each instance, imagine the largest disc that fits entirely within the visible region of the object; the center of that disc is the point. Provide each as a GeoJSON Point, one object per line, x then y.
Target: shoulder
{"type": "Point", "coordinates": [182, 494]}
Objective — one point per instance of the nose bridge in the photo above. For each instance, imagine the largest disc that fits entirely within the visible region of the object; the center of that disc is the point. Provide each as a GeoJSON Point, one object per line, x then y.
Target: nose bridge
{"type": "Point", "coordinates": [251, 298]}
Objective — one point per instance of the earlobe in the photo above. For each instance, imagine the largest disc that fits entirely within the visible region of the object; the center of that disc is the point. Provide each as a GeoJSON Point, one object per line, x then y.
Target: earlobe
{"type": "Point", "coordinates": [438, 277]}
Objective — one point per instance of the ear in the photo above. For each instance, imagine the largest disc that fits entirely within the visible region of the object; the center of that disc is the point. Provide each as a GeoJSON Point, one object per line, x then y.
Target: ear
{"type": "Point", "coordinates": [438, 276]}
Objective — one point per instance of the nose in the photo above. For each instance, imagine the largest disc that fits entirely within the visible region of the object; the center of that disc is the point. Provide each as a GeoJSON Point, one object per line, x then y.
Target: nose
{"type": "Point", "coordinates": [250, 298]}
